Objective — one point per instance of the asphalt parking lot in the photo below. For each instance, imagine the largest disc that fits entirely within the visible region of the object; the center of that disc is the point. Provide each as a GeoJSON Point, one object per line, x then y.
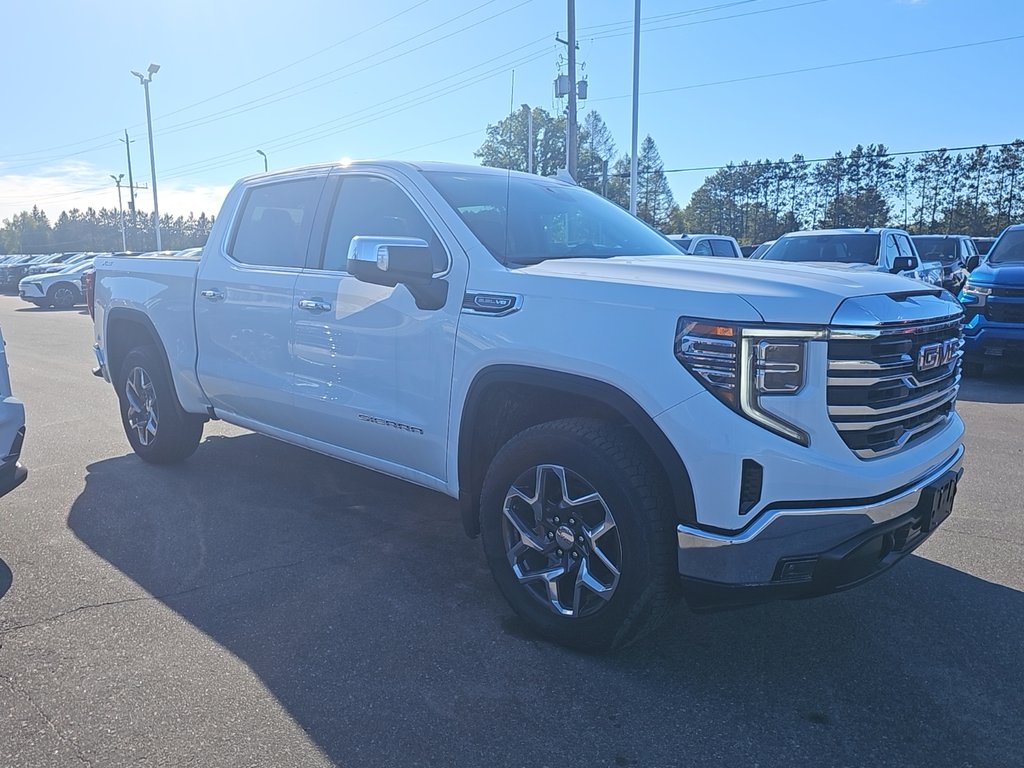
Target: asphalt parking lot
{"type": "Point", "coordinates": [262, 605]}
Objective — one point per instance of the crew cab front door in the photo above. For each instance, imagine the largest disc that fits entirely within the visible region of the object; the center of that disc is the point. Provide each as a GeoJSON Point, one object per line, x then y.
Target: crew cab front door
{"type": "Point", "coordinates": [243, 303]}
{"type": "Point", "coordinates": [372, 371]}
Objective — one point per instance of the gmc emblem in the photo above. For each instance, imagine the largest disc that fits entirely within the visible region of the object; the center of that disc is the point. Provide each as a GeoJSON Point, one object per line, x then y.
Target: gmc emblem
{"type": "Point", "coordinates": [933, 355]}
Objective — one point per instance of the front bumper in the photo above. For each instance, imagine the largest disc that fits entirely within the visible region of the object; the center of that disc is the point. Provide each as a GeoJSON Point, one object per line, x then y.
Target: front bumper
{"type": "Point", "coordinates": [31, 292]}
{"type": "Point", "coordinates": [808, 551]}
{"type": "Point", "coordinates": [987, 341]}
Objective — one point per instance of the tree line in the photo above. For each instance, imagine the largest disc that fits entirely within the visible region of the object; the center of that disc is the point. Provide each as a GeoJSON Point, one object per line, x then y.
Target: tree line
{"type": "Point", "coordinates": [976, 192]}
{"type": "Point", "coordinates": [92, 230]}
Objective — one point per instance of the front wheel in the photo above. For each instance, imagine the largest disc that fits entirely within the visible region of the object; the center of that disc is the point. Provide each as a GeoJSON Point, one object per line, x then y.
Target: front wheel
{"type": "Point", "coordinates": [63, 296]}
{"type": "Point", "coordinates": [578, 533]}
{"type": "Point", "coordinates": [159, 431]}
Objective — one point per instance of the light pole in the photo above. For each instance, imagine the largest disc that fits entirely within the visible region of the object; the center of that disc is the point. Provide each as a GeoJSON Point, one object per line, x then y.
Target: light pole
{"type": "Point", "coordinates": [263, 154]}
{"type": "Point", "coordinates": [120, 209]}
{"type": "Point", "coordinates": [144, 81]}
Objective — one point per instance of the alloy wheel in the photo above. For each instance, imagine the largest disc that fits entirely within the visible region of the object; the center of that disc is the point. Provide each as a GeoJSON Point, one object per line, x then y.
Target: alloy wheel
{"type": "Point", "coordinates": [143, 416]}
{"type": "Point", "coordinates": [561, 540]}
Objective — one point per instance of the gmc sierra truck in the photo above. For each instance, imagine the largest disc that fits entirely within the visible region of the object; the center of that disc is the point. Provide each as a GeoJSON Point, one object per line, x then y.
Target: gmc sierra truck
{"type": "Point", "coordinates": [620, 422]}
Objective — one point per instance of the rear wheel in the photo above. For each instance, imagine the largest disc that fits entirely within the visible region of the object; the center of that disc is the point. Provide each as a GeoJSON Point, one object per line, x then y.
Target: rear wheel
{"type": "Point", "coordinates": [63, 296]}
{"type": "Point", "coordinates": [158, 429]}
{"type": "Point", "coordinates": [577, 530]}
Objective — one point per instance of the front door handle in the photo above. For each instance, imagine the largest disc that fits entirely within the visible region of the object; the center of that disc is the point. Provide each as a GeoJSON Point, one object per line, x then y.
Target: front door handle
{"type": "Point", "coordinates": [212, 295]}
{"type": "Point", "coordinates": [315, 305]}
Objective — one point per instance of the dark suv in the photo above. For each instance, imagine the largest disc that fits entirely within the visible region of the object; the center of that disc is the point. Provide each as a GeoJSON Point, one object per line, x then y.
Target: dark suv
{"type": "Point", "coordinates": [956, 254]}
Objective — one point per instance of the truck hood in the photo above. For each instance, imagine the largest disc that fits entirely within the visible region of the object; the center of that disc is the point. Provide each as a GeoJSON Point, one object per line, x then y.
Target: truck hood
{"type": "Point", "coordinates": [1010, 274]}
{"type": "Point", "coordinates": [781, 292]}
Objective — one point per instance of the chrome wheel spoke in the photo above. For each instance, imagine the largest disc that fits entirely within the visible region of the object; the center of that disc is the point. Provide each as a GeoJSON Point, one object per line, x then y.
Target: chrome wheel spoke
{"type": "Point", "coordinates": [584, 578]}
{"type": "Point", "coordinates": [566, 541]}
{"type": "Point", "coordinates": [142, 414]}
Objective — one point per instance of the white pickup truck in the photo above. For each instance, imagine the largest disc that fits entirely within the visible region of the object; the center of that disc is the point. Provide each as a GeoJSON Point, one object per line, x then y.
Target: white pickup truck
{"type": "Point", "coordinates": [622, 423]}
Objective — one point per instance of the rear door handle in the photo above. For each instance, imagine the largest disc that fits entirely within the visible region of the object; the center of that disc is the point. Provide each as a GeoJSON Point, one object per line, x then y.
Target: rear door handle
{"type": "Point", "coordinates": [314, 305]}
{"type": "Point", "coordinates": [212, 295]}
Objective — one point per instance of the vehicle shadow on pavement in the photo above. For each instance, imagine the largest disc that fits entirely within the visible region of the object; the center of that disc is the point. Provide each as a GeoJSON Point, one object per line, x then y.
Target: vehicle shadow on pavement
{"type": "Point", "coordinates": [996, 385]}
{"type": "Point", "coordinates": [6, 578]}
{"type": "Point", "coordinates": [359, 603]}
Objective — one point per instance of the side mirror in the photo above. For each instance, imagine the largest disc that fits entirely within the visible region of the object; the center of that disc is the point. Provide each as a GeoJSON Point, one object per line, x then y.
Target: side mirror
{"type": "Point", "coordinates": [390, 260]}
{"type": "Point", "coordinates": [903, 264]}
{"type": "Point", "coordinates": [972, 263]}
{"type": "Point", "coordinates": [393, 260]}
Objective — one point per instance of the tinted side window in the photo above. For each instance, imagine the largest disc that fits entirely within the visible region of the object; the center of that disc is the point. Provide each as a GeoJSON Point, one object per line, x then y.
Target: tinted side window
{"type": "Point", "coordinates": [891, 251]}
{"type": "Point", "coordinates": [722, 248]}
{"type": "Point", "coordinates": [274, 219]}
{"type": "Point", "coordinates": [906, 249]}
{"type": "Point", "coordinates": [369, 205]}
{"type": "Point", "coordinates": [703, 248]}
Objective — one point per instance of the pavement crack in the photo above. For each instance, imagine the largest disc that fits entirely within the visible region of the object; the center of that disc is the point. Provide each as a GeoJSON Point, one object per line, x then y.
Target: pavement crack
{"type": "Point", "coordinates": [160, 597]}
{"type": "Point", "coordinates": [15, 689]}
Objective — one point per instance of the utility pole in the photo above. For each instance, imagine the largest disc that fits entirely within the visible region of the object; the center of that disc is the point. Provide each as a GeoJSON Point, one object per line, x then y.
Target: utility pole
{"type": "Point", "coordinates": [570, 144]}
{"type": "Point", "coordinates": [120, 209]}
{"type": "Point", "coordinates": [145, 81]}
{"type": "Point", "coordinates": [529, 138]}
{"type": "Point", "coordinates": [131, 182]}
{"type": "Point", "coordinates": [633, 162]}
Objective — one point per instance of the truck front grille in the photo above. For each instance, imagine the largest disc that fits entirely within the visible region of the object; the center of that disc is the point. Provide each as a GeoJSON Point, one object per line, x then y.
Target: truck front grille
{"type": "Point", "coordinates": [1005, 312]}
{"type": "Point", "coordinates": [891, 385]}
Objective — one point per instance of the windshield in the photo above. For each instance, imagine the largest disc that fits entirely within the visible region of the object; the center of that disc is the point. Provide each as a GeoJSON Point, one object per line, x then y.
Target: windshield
{"type": "Point", "coordinates": [1008, 248]}
{"type": "Point", "coordinates": [838, 248]}
{"type": "Point", "coordinates": [759, 251]}
{"type": "Point", "coordinates": [944, 249]}
{"type": "Point", "coordinates": [682, 243]}
{"type": "Point", "coordinates": [545, 219]}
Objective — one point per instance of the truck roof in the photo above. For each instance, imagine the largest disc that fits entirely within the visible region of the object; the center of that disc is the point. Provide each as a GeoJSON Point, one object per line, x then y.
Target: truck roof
{"type": "Point", "coordinates": [422, 166]}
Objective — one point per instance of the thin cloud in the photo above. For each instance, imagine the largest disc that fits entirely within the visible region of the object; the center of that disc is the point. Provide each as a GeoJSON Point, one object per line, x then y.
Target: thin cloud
{"type": "Point", "coordinates": [77, 184]}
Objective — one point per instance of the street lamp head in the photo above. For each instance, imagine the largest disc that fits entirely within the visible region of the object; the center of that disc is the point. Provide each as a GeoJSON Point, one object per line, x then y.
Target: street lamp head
{"type": "Point", "coordinates": [117, 179]}
{"type": "Point", "coordinates": [261, 152]}
{"type": "Point", "coordinates": [153, 69]}
{"type": "Point", "coordinates": [138, 74]}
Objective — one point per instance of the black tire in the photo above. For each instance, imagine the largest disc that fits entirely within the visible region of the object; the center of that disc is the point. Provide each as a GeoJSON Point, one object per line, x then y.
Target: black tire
{"type": "Point", "coordinates": [171, 435]}
{"type": "Point", "coordinates": [63, 296]}
{"type": "Point", "coordinates": [973, 368]}
{"type": "Point", "coordinates": [616, 465]}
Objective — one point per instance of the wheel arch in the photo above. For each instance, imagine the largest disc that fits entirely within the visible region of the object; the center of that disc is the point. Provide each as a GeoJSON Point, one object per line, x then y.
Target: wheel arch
{"type": "Point", "coordinates": [503, 400]}
{"type": "Point", "coordinates": [126, 329]}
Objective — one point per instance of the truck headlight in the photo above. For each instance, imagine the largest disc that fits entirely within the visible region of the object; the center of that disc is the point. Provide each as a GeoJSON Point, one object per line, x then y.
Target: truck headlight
{"type": "Point", "coordinates": [746, 366]}
{"type": "Point", "coordinates": [973, 293]}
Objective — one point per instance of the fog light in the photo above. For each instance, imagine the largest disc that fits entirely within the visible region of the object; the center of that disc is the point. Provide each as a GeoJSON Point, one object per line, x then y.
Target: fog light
{"type": "Point", "coordinates": [796, 569]}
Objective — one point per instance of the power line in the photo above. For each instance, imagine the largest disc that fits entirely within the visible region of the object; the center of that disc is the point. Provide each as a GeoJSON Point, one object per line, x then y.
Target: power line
{"type": "Point", "coordinates": [779, 163]}
{"type": "Point", "coordinates": [653, 28]}
{"type": "Point", "coordinates": [239, 109]}
{"type": "Point", "coordinates": [818, 68]}
{"type": "Point", "coordinates": [291, 91]}
{"type": "Point", "coordinates": [338, 125]}
{"type": "Point", "coordinates": [295, 63]}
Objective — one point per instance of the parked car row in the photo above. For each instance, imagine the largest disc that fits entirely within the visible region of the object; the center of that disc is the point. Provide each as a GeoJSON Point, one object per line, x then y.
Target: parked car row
{"type": "Point", "coordinates": [944, 260]}
{"type": "Point", "coordinates": [987, 274]}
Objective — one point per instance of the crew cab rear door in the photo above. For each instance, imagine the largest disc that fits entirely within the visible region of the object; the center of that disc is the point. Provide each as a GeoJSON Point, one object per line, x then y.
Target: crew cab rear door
{"type": "Point", "coordinates": [373, 371]}
{"type": "Point", "coordinates": [244, 295]}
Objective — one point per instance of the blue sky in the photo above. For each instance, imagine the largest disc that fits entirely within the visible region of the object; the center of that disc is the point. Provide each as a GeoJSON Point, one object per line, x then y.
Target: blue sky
{"type": "Point", "coordinates": [313, 80]}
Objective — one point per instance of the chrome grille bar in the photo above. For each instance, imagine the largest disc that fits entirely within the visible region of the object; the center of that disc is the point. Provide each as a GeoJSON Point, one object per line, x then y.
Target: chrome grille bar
{"type": "Point", "coordinates": [878, 399]}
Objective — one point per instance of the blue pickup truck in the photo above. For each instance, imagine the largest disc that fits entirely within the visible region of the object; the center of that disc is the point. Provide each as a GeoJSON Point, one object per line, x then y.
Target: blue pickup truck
{"type": "Point", "coordinates": [993, 300]}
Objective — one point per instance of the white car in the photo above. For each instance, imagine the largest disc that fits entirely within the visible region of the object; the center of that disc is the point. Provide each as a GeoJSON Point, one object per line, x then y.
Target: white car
{"type": "Point", "coordinates": [62, 289]}
{"type": "Point", "coordinates": [862, 250]}
{"type": "Point", "coordinates": [707, 245]}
